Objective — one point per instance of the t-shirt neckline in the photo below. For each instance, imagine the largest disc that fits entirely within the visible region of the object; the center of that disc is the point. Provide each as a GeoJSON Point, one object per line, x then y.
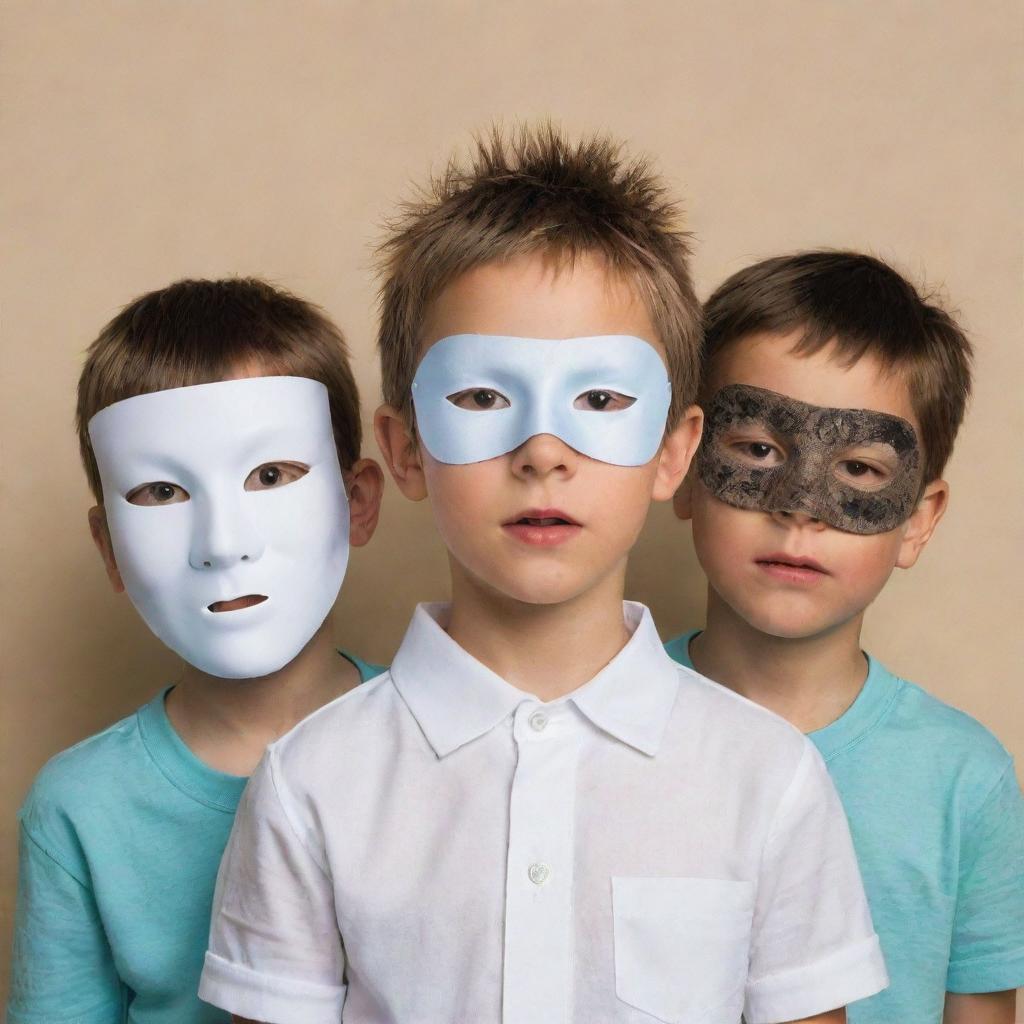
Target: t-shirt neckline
{"type": "Point", "coordinates": [181, 767]}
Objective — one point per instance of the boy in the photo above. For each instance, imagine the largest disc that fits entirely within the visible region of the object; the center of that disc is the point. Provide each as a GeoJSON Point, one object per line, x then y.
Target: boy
{"type": "Point", "coordinates": [832, 396]}
{"type": "Point", "coordinates": [224, 511]}
{"type": "Point", "coordinates": [536, 816]}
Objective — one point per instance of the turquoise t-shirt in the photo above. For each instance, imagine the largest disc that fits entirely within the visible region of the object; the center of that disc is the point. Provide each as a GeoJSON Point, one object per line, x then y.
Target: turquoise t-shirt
{"type": "Point", "coordinates": [937, 819]}
{"type": "Point", "coordinates": [121, 838]}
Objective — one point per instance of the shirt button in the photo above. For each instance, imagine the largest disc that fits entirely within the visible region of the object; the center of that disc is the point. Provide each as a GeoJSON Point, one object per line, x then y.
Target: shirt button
{"type": "Point", "coordinates": [539, 873]}
{"type": "Point", "coordinates": [538, 721]}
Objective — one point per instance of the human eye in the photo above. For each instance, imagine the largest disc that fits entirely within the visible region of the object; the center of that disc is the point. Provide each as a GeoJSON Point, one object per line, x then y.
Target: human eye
{"type": "Point", "coordinates": [479, 400]}
{"type": "Point", "coordinates": [758, 452]}
{"type": "Point", "coordinates": [159, 493]}
{"type": "Point", "coordinates": [275, 474]}
{"type": "Point", "coordinates": [863, 474]}
{"type": "Point", "coordinates": [601, 400]}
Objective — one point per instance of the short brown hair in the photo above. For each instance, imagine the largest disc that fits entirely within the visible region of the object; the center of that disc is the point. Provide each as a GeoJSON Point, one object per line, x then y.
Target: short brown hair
{"type": "Point", "coordinates": [198, 332]}
{"type": "Point", "coordinates": [866, 308]}
{"type": "Point", "coordinates": [534, 191]}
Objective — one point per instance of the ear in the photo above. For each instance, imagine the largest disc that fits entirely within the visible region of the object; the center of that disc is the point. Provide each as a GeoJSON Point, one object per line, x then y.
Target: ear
{"type": "Point", "coordinates": [677, 452]}
{"type": "Point", "coordinates": [101, 538]}
{"type": "Point", "coordinates": [921, 525]}
{"type": "Point", "coordinates": [400, 451]}
{"type": "Point", "coordinates": [364, 483]}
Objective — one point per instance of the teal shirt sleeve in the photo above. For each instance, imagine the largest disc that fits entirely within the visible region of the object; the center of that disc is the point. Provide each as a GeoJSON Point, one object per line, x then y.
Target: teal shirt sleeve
{"type": "Point", "coordinates": [987, 953]}
{"type": "Point", "coordinates": [62, 970]}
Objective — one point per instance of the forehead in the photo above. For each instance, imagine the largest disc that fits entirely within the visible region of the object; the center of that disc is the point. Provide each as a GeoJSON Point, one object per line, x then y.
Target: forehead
{"type": "Point", "coordinates": [818, 378]}
{"type": "Point", "coordinates": [204, 420]}
{"type": "Point", "coordinates": [540, 296]}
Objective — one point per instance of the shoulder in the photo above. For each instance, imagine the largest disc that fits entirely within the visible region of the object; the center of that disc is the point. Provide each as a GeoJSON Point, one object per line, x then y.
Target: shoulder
{"type": "Point", "coordinates": [732, 706]}
{"type": "Point", "coordinates": [75, 780]}
{"type": "Point", "coordinates": [951, 734]}
{"type": "Point", "coordinates": [357, 717]}
{"type": "Point", "coordinates": [942, 747]}
{"type": "Point", "coordinates": [749, 731]}
{"type": "Point", "coordinates": [72, 773]}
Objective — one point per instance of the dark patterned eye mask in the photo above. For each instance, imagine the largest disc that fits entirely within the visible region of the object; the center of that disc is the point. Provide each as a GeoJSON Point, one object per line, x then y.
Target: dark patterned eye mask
{"type": "Point", "coordinates": [854, 469]}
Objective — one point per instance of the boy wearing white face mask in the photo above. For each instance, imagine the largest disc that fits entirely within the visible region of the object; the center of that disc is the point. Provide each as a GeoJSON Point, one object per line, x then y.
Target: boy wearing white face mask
{"type": "Point", "coordinates": [536, 817]}
{"type": "Point", "coordinates": [219, 426]}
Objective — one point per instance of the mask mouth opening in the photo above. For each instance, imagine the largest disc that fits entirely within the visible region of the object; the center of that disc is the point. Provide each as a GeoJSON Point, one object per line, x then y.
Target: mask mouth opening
{"type": "Point", "coordinates": [237, 603]}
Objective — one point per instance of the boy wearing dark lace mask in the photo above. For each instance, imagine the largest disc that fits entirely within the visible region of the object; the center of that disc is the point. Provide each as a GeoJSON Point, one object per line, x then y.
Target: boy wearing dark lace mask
{"type": "Point", "coordinates": [832, 395]}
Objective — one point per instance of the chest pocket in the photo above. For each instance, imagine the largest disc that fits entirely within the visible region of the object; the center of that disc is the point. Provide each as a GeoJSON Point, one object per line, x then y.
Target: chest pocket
{"type": "Point", "coordinates": [682, 947]}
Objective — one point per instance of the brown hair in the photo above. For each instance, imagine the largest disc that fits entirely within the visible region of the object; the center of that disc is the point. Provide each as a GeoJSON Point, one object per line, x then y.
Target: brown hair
{"type": "Point", "coordinates": [534, 191]}
{"type": "Point", "coordinates": [198, 332]}
{"type": "Point", "coordinates": [864, 307]}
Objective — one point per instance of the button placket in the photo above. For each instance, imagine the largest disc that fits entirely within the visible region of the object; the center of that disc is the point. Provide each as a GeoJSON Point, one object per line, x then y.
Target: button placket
{"type": "Point", "coordinates": [538, 910]}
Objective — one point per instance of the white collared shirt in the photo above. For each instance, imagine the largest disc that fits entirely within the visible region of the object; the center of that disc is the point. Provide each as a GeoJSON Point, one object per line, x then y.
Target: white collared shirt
{"type": "Point", "coordinates": [438, 847]}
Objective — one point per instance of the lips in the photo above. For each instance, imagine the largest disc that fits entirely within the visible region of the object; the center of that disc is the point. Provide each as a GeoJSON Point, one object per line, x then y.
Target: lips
{"type": "Point", "coordinates": [237, 603]}
{"type": "Point", "coordinates": [792, 568]}
{"type": "Point", "coordinates": [542, 527]}
{"type": "Point", "coordinates": [543, 517]}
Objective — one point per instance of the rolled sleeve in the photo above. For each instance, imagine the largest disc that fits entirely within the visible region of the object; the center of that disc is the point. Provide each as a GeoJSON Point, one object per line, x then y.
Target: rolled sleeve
{"type": "Point", "coordinates": [275, 952]}
{"type": "Point", "coordinates": [814, 947]}
{"type": "Point", "coordinates": [987, 951]}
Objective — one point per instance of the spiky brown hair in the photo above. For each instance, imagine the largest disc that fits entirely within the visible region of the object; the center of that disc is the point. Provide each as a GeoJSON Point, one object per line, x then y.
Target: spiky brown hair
{"type": "Point", "coordinates": [532, 190]}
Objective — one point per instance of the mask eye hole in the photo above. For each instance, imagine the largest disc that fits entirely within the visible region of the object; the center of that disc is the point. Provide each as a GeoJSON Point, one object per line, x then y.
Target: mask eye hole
{"type": "Point", "coordinates": [275, 475]}
{"type": "Point", "coordinates": [603, 400]}
{"type": "Point", "coordinates": [160, 492]}
{"type": "Point", "coordinates": [862, 471]}
{"type": "Point", "coordinates": [757, 451]}
{"type": "Point", "coordinates": [479, 400]}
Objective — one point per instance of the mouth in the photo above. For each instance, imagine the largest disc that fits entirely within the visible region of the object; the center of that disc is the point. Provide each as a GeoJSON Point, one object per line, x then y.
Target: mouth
{"type": "Point", "coordinates": [792, 568]}
{"type": "Point", "coordinates": [237, 603]}
{"type": "Point", "coordinates": [544, 517]}
{"type": "Point", "coordinates": [542, 527]}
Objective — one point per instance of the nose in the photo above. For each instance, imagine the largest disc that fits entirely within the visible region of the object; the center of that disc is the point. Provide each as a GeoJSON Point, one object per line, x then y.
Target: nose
{"type": "Point", "coordinates": [543, 454]}
{"type": "Point", "coordinates": [796, 517]}
{"type": "Point", "coordinates": [223, 535]}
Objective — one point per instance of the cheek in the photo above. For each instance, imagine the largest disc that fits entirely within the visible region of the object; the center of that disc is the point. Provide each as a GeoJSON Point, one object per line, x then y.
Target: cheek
{"type": "Point", "coordinates": [867, 561]}
{"type": "Point", "coordinates": [321, 507]}
{"type": "Point", "coordinates": [460, 496]}
{"type": "Point", "coordinates": [720, 532]}
{"type": "Point", "coordinates": [150, 544]}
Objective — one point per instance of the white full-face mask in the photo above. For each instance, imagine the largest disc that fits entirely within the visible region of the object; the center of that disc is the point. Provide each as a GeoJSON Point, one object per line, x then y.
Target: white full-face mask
{"type": "Point", "coordinates": [218, 525]}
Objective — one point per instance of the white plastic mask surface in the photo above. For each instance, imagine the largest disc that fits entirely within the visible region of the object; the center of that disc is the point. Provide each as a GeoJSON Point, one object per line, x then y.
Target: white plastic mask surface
{"type": "Point", "coordinates": [541, 386]}
{"type": "Point", "coordinates": [287, 542]}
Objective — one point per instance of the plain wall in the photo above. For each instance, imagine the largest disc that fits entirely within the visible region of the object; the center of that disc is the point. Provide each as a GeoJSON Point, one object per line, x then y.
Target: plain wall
{"type": "Point", "coordinates": [145, 141]}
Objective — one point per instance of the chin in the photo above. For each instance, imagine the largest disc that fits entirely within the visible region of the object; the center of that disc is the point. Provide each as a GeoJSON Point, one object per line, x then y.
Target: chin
{"type": "Point", "coordinates": [787, 624]}
{"type": "Point", "coordinates": [536, 587]}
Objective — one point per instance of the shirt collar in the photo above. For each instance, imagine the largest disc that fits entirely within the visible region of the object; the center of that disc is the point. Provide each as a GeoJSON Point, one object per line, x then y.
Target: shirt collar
{"type": "Point", "coordinates": [456, 699]}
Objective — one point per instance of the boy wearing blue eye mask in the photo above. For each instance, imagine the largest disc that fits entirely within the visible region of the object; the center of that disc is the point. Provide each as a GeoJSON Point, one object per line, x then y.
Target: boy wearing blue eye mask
{"type": "Point", "coordinates": [536, 816]}
{"type": "Point", "coordinates": [219, 425]}
{"type": "Point", "coordinates": [833, 393]}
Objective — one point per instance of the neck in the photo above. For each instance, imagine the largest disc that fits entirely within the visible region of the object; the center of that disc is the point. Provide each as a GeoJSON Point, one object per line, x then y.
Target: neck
{"type": "Point", "coordinates": [227, 723]}
{"type": "Point", "coordinates": [548, 650]}
{"type": "Point", "coordinates": [810, 681]}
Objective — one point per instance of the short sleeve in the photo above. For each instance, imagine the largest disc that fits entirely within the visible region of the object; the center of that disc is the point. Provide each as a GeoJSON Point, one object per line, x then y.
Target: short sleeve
{"type": "Point", "coordinates": [813, 946]}
{"type": "Point", "coordinates": [62, 969]}
{"type": "Point", "coordinates": [987, 953]}
{"type": "Point", "coordinates": [275, 952]}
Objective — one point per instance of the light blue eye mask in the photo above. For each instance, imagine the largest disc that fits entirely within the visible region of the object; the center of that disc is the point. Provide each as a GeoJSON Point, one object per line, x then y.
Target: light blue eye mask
{"type": "Point", "coordinates": [608, 397]}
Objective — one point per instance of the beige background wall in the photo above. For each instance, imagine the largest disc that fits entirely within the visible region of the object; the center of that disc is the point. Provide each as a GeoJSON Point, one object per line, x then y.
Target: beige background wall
{"type": "Point", "coordinates": [144, 141]}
